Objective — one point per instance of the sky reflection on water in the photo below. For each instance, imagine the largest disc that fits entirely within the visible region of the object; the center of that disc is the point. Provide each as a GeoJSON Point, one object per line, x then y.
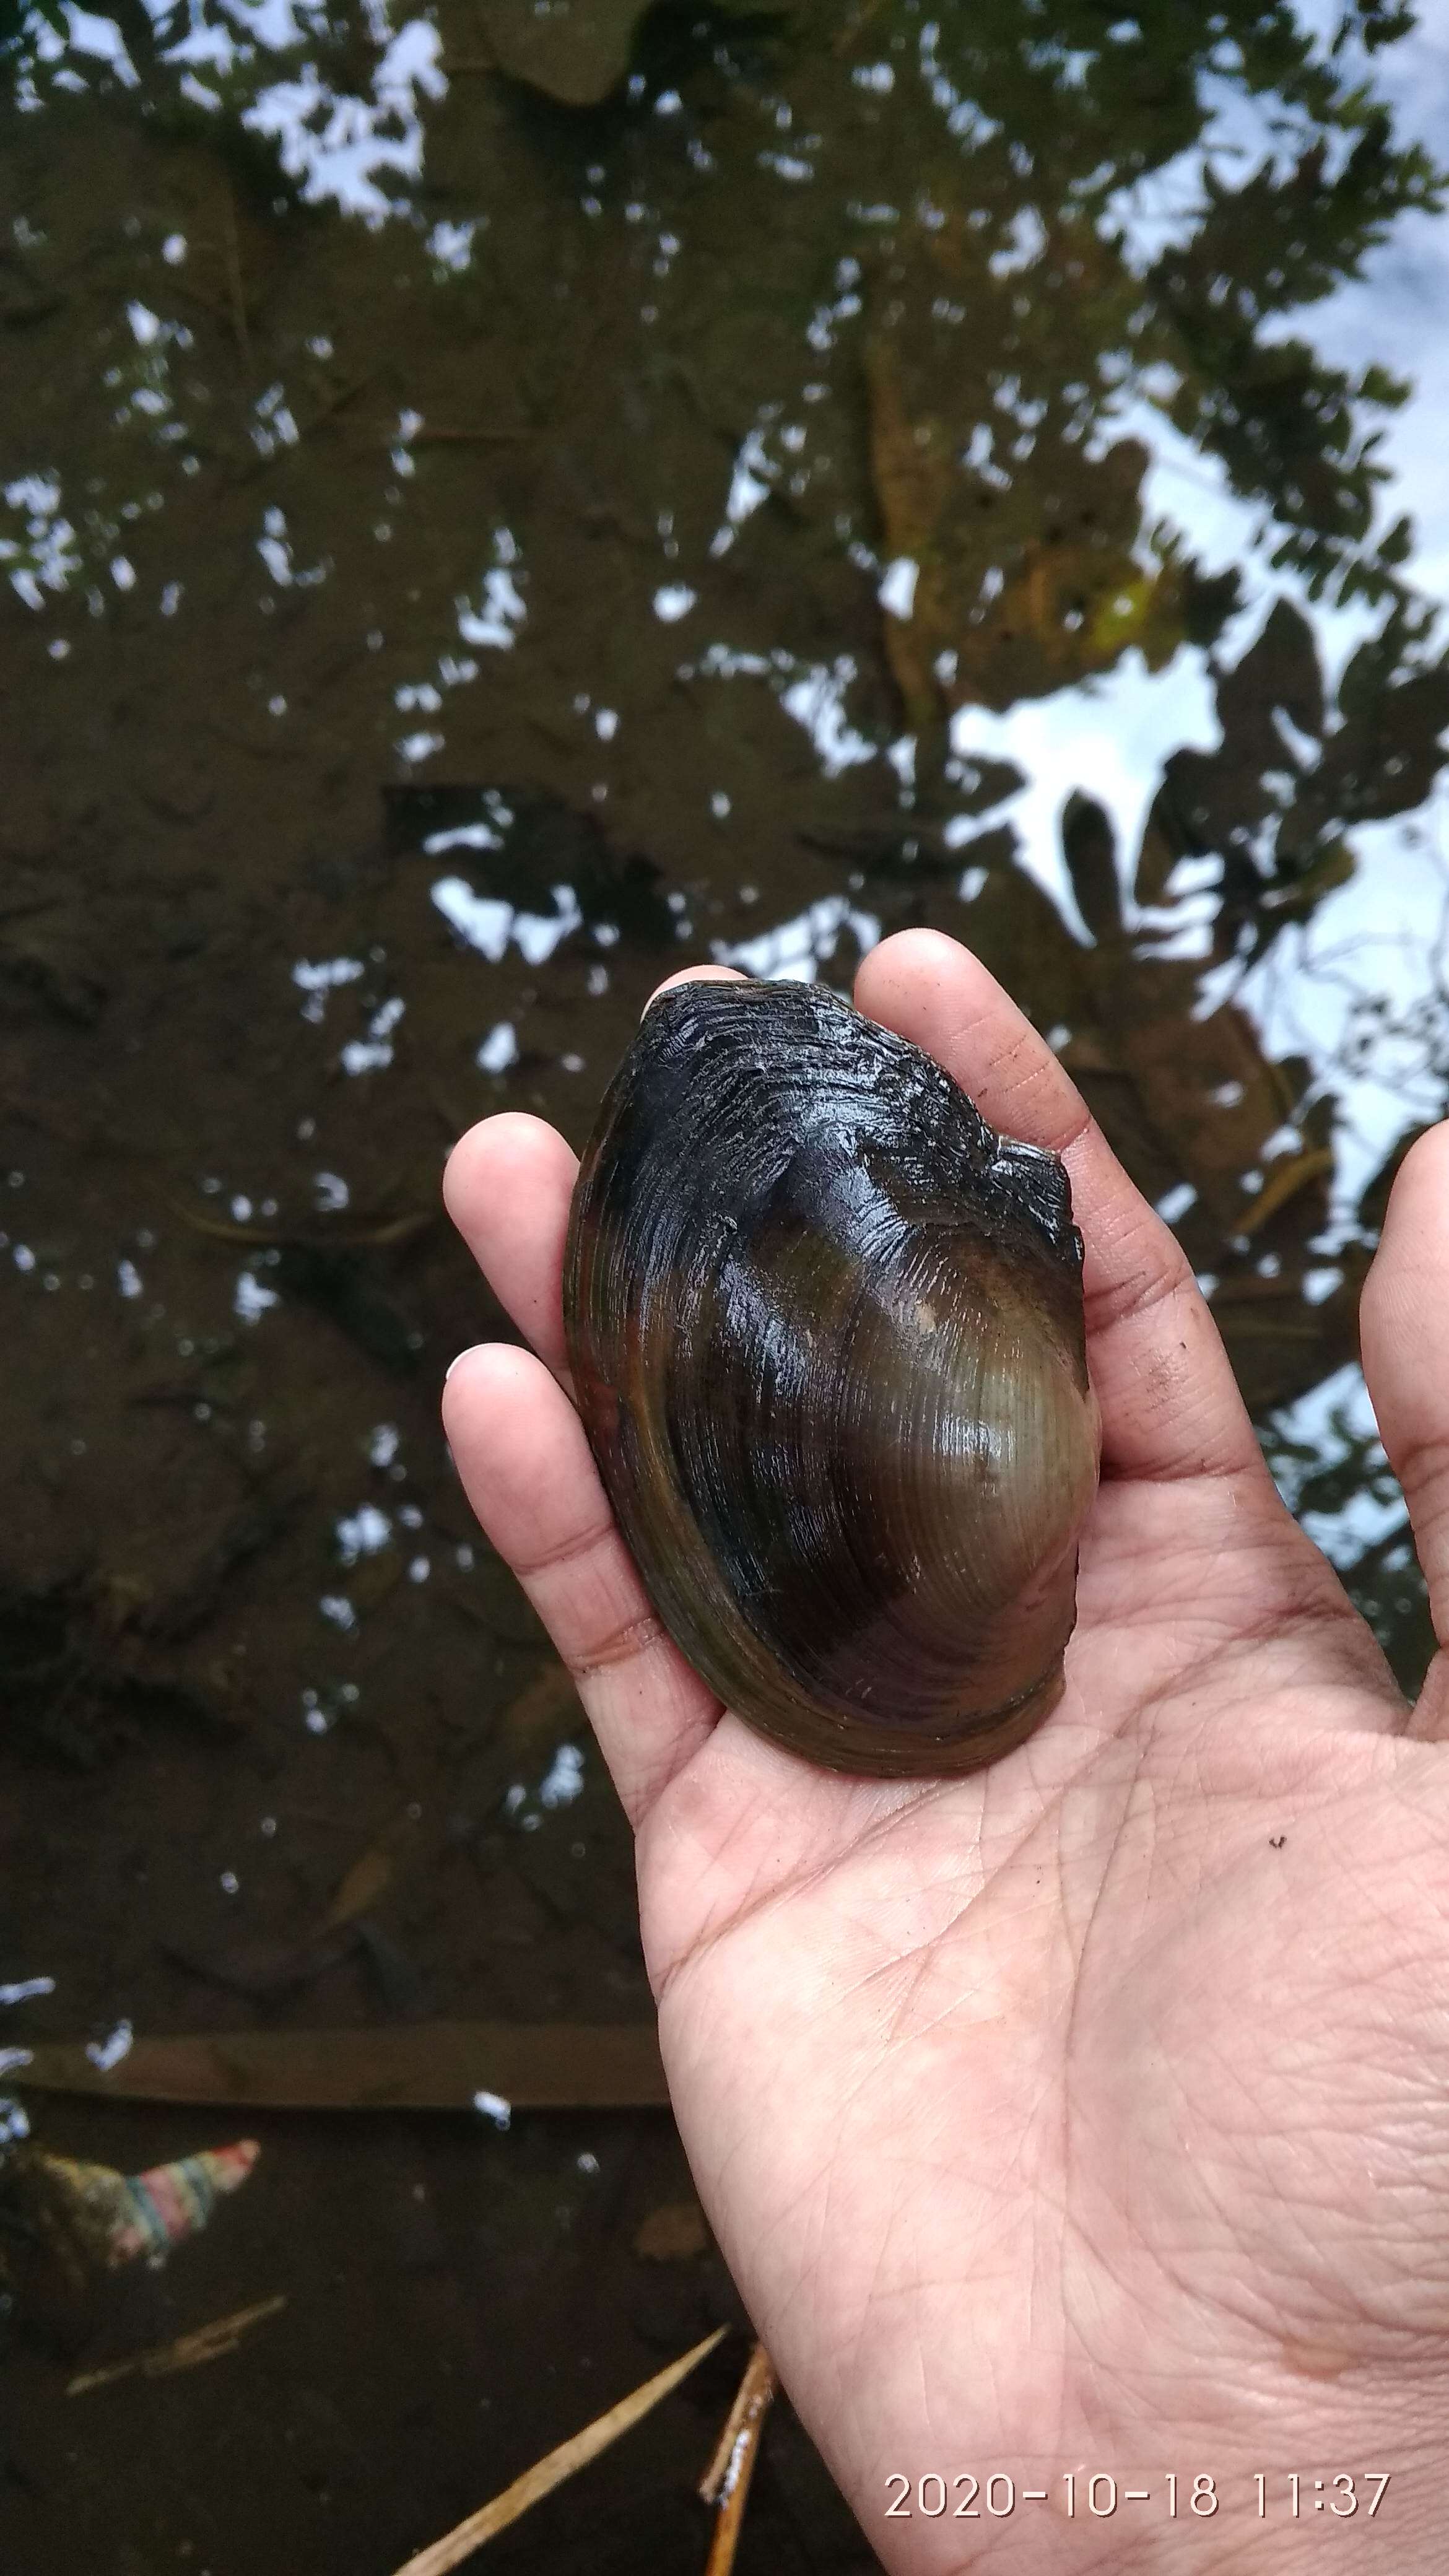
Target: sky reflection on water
{"type": "Point", "coordinates": [1111, 690]}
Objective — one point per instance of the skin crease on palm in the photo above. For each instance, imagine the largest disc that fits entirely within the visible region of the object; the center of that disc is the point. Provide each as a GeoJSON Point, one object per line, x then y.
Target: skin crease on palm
{"type": "Point", "coordinates": [1090, 2112]}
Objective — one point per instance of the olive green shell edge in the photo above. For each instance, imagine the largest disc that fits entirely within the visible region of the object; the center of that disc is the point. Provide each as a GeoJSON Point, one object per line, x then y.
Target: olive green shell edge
{"type": "Point", "coordinates": [868, 1752]}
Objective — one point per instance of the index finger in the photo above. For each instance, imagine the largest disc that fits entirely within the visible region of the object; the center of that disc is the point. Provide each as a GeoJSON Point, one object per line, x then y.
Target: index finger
{"type": "Point", "coordinates": [1170, 1403]}
{"type": "Point", "coordinates": [507, 1188]}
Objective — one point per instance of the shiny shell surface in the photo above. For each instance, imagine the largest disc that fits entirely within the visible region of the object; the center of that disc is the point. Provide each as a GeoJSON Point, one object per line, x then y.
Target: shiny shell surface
{"type": "Point", "coordinates": [826, 1333]}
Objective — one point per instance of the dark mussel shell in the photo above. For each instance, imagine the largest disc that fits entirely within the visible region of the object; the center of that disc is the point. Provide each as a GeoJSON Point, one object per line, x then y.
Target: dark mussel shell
{"type": "Point", "coordinates": [826, 1333]}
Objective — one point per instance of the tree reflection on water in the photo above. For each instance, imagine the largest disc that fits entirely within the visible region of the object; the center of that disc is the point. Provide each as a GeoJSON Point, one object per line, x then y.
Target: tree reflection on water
{"type": "Point", "coordinates": [496, 505]}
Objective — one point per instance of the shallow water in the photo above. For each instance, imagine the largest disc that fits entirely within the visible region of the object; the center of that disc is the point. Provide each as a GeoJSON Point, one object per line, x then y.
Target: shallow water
{"type": "Point", "coordinates": [497, 505]}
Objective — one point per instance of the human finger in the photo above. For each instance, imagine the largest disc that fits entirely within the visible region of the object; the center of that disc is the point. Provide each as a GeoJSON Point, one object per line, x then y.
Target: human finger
{"type": "Point", "coordinates": [1404, 1334]}
{"type": "Point", "coordinates": [507, 1187]}
{"type": "Point", "coordinates": [1170, 1404]}
{"type": "Point", "coordinates": [530, 1476]}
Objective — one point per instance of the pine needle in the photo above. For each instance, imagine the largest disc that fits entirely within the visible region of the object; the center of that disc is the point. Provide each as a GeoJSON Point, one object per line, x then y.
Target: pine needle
{"type": "Point", "coordinates": [551, 2471]}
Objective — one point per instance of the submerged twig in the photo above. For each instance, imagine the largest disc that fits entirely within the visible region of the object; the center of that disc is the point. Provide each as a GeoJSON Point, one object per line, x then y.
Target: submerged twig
{"type": "Point", "coordinates": [336, 401]}
{"type": "Point", "coordinates": [551, 2471]}
{"type": "Point", "coordinates": [327, 409]}
{"type": "Point", "coordinates": [186, 2352]}
{"type": "Point", "coordinates": [360, 1231]}
{"type": "Point", "coordinates": [726, 2482]}
{"type": "Point", "coordinates": [235, 288]}
{"type": "Point", "coordinates": [1283, 1182]}
{"type": "Point", "coordinates": [752, 2399]}
{"type": "Point", "coordinates": [465, 437]}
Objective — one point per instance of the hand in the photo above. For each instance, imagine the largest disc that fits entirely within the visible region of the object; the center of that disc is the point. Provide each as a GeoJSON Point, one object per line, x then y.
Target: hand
{"type": "Point", "coordinates": [1092, 2112]}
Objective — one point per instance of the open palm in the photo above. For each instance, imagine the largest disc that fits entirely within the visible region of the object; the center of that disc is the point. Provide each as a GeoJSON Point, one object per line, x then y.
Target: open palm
{"type": "Point", "coordinates": [1089, 2114]}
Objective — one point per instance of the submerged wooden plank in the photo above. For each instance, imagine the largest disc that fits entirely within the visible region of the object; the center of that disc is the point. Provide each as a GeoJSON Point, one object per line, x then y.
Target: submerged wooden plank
{"type": "Point", "coordinates": [409, 2066]}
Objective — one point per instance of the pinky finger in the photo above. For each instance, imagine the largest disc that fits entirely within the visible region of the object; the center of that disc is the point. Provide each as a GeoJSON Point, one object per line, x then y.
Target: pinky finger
{"type": "Point", "coordinates": [530, 1476]}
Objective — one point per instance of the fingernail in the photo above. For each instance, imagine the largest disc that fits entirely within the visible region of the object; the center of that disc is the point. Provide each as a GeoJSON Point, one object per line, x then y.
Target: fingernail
{"type": "Point", "coordinates": [462, 1355]}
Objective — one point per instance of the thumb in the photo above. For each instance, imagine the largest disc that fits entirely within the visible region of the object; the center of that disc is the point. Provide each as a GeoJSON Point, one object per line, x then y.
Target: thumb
{"type": "Point", "coordinates": [1404, 1335]}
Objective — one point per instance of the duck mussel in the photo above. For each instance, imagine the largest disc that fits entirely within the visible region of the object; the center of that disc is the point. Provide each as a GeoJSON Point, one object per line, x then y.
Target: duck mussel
{"type": "Point", "coordinates": [827, 1340]}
